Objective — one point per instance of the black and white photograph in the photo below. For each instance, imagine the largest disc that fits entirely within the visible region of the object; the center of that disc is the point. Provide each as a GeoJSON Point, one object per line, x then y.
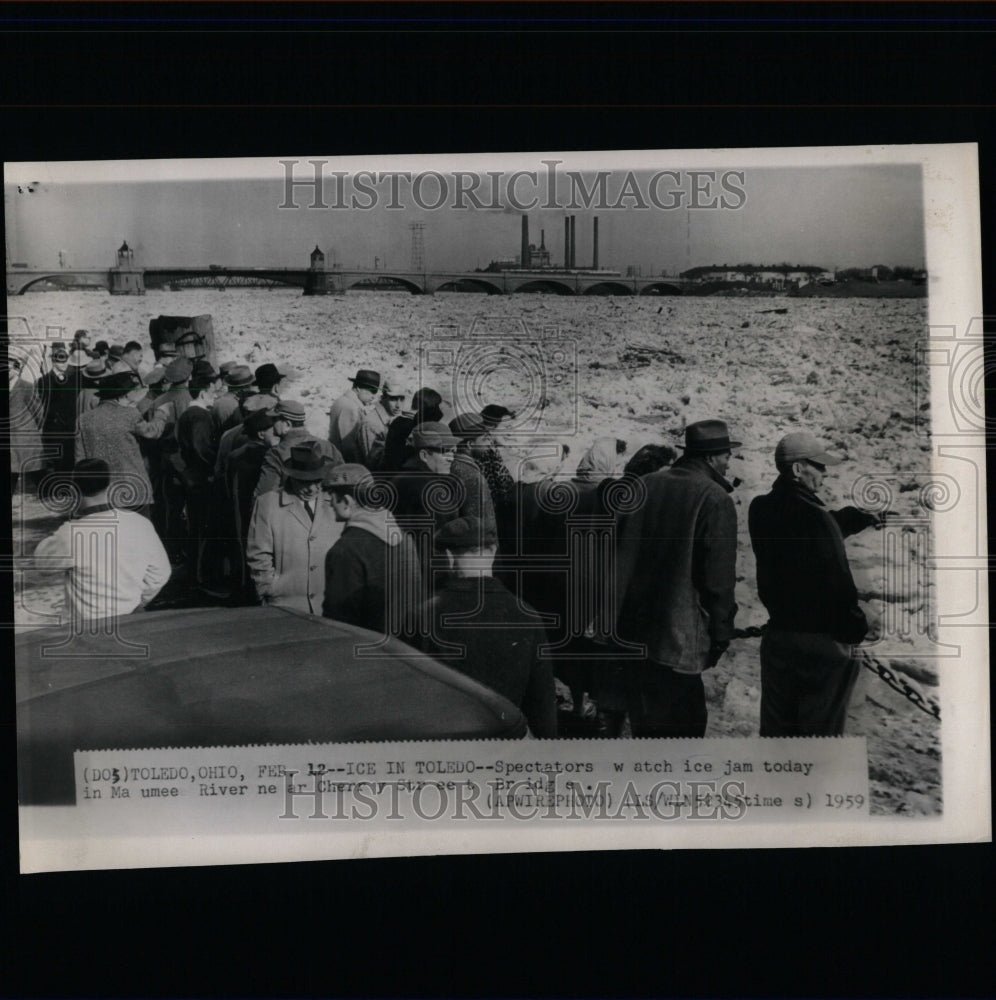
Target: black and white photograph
{"type": "Point", "coordinates": [567, 451]}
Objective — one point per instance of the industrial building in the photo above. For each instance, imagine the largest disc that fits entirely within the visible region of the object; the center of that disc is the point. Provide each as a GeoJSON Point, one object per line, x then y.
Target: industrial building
{"type": "Point", "coordinates": [538, 258]}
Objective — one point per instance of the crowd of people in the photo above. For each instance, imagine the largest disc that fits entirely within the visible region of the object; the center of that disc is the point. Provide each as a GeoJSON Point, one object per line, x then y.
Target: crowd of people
{"type": "Point", "coordinates": [615, 584]}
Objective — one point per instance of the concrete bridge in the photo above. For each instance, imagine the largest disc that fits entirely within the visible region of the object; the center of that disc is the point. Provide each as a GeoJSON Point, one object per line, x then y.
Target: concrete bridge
{"type": "Point", "coordinates": [320, 281]}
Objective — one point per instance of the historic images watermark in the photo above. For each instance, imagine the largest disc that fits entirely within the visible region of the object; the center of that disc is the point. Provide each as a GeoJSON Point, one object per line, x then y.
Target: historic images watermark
{"type": "Point", "coordinates": [547, 187]}
{"type": "Point", "coordinates": [544, 798]}
{"type": "Point", "coordinates": [500, 357]}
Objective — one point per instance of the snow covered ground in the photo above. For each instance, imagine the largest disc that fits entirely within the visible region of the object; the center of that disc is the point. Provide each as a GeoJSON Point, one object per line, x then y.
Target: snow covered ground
{"type": "Point", "coordinates": [635, 368]}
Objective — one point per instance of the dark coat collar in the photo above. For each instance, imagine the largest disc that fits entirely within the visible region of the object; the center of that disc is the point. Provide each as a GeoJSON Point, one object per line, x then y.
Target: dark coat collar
{"type": "Point", "coordinates": [787, 486]}
{"type": "Point", "coordinates": [698, 465]}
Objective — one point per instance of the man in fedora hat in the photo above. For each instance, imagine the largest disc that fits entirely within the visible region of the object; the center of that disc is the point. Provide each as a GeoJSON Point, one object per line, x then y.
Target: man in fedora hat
{"type": "Point", "coordinates": [112, 431]}
{"type": "Point", "coordinates": [268, 378]}
{"type": "Point", "coordinates": [57, 391]}
{"type": "Point", "coordinates": [291, 530]}
{"type": "Point", "coordinates": [90, 376]}
{"type": "Point", "coordinates": [372, 573]}
{"type": "Point", "coordinates": [289, 417]}
{"type": "Point", "coordinates": [347, 412]}
{"type": "Point", "coordinates": [808, 664]}
{"type": "Point", "coordinates": [376, 420]}
{"type": "Point", "coordinates": [676, 574]}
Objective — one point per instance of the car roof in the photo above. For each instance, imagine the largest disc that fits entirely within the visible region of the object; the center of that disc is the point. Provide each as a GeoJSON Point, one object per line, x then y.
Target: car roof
{"type": "Point", "coordinates": [256, 648]}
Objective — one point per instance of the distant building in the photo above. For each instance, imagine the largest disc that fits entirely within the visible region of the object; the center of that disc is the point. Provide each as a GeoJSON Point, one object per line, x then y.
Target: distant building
{"type": "Point", "coordinates": [502, 264]}
{"type": "Point", "coordinates": [768, 276]}
{"type": "Point", "coordinates": [539, 256]}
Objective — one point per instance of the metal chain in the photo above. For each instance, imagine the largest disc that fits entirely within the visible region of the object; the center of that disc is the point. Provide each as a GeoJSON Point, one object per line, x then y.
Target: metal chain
{"type": "Point", "coordinates": [900, 685]}
{"type": "Point", "coordinates": [751, 632]}
{"type": "Point", "coordinates": [903, 687]}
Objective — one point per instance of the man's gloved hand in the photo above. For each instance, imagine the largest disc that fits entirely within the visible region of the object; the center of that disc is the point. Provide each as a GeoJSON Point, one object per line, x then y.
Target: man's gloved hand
{"type": "Point", "coordinates": [852, 520]}
{"type": "Point", "coordinates": [716, 650]}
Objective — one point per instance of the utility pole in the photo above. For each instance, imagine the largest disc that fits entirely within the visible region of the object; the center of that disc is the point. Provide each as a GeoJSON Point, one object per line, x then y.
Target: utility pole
{"type": "Point", "coordinates": [418, 246]}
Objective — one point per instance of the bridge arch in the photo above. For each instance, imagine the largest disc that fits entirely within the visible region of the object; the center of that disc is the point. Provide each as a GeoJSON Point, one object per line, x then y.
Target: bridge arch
{"type": "Point", "coordinates": [58, 278]}
{"type": "Point", "coordinates": [661, 288]}
{"type": "Point", "coordinates": [378, 277]}
{"type": "Point", "coordinates": [476, 285]}
{"type": "Point", "coordinates": [608, 288]}
{"type": "Point", "coordinates": [549, 285]}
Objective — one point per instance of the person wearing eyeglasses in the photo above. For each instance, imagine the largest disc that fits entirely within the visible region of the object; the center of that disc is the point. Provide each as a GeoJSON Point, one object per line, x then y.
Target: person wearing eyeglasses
{"type": "Point", "coordinates": [808, 663]}
{"type": "Point", "coordinates": [426, 493]}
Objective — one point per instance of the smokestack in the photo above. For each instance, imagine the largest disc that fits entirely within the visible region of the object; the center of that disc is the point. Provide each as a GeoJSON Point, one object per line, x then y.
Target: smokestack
{"type": "Point", "coordinates": [524, 255]}
{"type": "Point", "coordinates": [567, 241]}
{"type": "Point", "coordinates": [574, 246]}
{"type": "Point", "coordinates": [594, 254]}
{"type": "Point", "coordinates": [542, 239]}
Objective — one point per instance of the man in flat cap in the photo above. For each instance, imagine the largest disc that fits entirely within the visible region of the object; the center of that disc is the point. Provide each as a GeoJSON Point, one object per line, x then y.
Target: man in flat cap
{"type": "Point", "coordinates": [676, 574]}
{"type": "Point", "coordinates": [172, 402]}
{"type": "Point", "coordinates": [165, 353]}
{"type": "Point", "coordinates": [197, 443]}
{"type": "Point", "coordinates": [177, 397]}
{"type": "Point", "coordinates": [291, 530]}
{"type": "Point", "coordinates": [289, 417]}
{"type": "Point", "coordinates": [372, 574]}
{"type": "Point", "coordinates": [808, 664]}
{"type": "Point", "coordinates": [376, 420]}
{"type": "Point", "coordinates": [427, 495]}
{"type": "Point", "coordinates": [57, 391]}
{"type": "Point", "coordinates": [112, 432]}
{"type": "Point", "coordinates": [347, 413]}
{"type": "Point", "coordinates": [241, 474]}
{"type": "Point", "coordinates": [196, 433]}
{"type": "Point", "coordinates": [115, 359]}
{"type": "Point", "coordinates": [477, 500]}
{"type": "Point", "coordinates": [478, 627]}
{"type": "Point", "coordinates": [488, 455]}
{"type": "Point", "coordinates": [248, 400]}
{"type": "Point", "coordinates": [240, 384]}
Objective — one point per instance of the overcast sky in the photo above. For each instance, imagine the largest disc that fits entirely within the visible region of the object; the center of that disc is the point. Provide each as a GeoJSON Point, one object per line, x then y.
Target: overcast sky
{"type": "Point", "coordinates": [834, 216]}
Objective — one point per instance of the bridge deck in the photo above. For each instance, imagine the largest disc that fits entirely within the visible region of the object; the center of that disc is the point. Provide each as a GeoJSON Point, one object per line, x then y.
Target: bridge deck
{"type": "Point", "coordinates": [340, 280]}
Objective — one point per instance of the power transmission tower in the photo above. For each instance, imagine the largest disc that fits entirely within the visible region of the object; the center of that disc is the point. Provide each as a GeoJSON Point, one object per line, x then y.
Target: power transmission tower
{"type": "Point", "coordinates": [418, 246]}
